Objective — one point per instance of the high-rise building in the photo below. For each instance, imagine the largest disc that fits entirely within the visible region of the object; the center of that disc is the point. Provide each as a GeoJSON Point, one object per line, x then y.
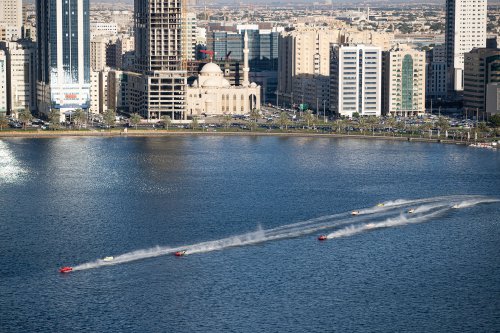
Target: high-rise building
{"type": "Point", "coordinates": [159, 86]}
{"type": "Point", "coordinates": [118, 90]}
{"type": "Point", "coordinates": [11, 19]}
{"type": "Point", "coordinates": [3, 83]}
{"type": "Point", "coordinates": [21, 75]}
{"type": "Point", "coordinates": [304, 66]}
{"type": "Point", "coordinates": [481, 67]}
{"type": "Point", "coordinates": [403, 81]}
{"type": "Point", "coordinates": [465, 29]}
{"type": "Point", "coordinates": [356, 77]}
{"type": "Point", "coordinates": [63, 55]}
{"type": "Point", "coordinates": [436, 73]}
{"type": "Point", "coordinates": [98, 53]}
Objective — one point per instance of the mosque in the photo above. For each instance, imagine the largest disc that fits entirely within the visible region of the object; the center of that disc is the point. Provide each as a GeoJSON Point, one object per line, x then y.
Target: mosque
{"type": "Point", "coordinates": [212, 94]}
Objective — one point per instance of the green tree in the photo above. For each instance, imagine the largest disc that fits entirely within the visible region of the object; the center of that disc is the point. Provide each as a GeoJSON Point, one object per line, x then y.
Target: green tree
{"type": "Point", "coordinates": [283, 120]}
{"type": "Point", "coordinates": [3, 121]}
{"type": "Point", "coordinates": [362, 125]}
{"type": "Point", "coordinates": [391, 122]}
{"type": "Point", "coordinates": [355, 115]}
{"type": "Point", "coordinates": [426, 128]}
{"type": "Point", "coordinates": [254, 116]}
{"type": "Point", "coordinates": [194, 123]}
{"type": "Point", "coordinates": [109, 117]}
{"type": "Point", "coordinates": [135, 119]}
{"type": "Point", "coordinates": [55, 119]}
{"type": "Point", "coordinates": [495, 120]}
{"type": "Point", "coordinates": [167, 121]}
{"type": "Point", "coordinates": [25, 117]}
{"type": "Point", "coordinates": [308, 117]}
{"type": "Point", "coordinates": [252, 125]}
{"type": "Point", "coordinates": [226, 121]}
{"type": "Point", "coordinates": [372, 122]}
{"type": "Point", "coordinates": [79, 117]}
{"type": "Point", "coordinates": [443, 124]}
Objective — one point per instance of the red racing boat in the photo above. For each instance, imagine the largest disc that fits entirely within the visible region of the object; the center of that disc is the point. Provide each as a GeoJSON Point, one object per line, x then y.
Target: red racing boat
{"type": "Point", "coordinates": [65, 269]}
{"type": "Point", "coordinates": [180, 253]}
{"type": "Point", "coordinates": [322, 238]}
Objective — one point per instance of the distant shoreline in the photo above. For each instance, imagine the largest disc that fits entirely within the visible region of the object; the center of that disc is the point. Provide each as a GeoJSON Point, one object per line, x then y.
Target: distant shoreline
{"type": "Point", "coordinates": [160, 133]}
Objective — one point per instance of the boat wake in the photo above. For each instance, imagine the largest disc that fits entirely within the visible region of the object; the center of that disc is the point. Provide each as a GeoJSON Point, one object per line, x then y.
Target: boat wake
{"type": "Point", "coordinates": [390, 214]}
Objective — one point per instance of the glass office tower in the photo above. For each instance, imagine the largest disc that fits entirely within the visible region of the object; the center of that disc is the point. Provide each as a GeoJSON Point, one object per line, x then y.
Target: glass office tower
{"type": "Point", "coordinates": [63, 54]}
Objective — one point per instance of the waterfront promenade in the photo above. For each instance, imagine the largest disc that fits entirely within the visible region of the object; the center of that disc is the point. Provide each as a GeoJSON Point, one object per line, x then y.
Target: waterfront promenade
{"type": "Point", "coordinates": [161, 132]}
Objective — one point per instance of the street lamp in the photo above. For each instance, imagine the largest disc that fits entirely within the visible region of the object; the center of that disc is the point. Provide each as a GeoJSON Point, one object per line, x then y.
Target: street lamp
{"type": "Point", "coordinates": [324, 114]}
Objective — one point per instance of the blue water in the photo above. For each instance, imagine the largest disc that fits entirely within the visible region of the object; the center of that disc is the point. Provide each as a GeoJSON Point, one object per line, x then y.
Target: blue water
{"type": "Point", "coordinates": [71, 201]}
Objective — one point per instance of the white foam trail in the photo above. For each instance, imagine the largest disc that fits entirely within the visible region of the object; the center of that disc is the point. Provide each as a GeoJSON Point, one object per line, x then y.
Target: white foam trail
{"type": "Point", "coordinates": [391, 222]}
{"type": "Point", "coordinates": [435, 207]}
{"type": "Point", "coordinates": [469, 203]}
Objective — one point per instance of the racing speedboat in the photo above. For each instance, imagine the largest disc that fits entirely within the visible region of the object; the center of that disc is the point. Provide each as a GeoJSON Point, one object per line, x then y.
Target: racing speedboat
{"type": "Point", "coordinates": [322, 238]}
{"type": "Point", "coordinates": [455, 206]}
{"type": "Point", "coordinates": [411, 211]}
{"type": "Point", "coordinates": [380, 205]}
{"type": "Point", "coordinates": [65, 269]}
{"type": "Point", "coordinates": [355, 212]}
{"type": "Point", "coordinates": [180, 253]}
{"type": "Point", "coordinates": [108, 259]}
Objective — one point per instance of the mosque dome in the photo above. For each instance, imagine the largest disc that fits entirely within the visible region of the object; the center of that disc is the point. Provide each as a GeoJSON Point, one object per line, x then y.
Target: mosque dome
{"type": "Point", "coordinates": [253, 85]}
{"type": "Point", "coordinates": [211, 83]}
{"type": "Point", "coordinates": [211, 69]}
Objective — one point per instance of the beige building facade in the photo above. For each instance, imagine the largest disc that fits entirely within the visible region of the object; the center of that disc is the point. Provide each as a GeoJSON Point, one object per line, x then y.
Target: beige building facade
{"type": "Point", "coordinates": [404, 81]}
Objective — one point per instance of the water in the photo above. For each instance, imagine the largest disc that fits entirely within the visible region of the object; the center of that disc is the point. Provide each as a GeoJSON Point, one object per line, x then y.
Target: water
{"type": "Point", "coordinates": [247, 211]}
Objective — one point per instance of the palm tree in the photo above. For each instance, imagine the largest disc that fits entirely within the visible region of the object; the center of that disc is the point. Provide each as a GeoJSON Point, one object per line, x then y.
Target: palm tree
{"type": "Point", "coordinates": [254, 115]}
{"type": "Point", "coordinates": [79, 117]}
{"type": "Point", "coordinates": [54, 118]}
{"type": "Point", "coordinates": [362, 125]}
{"type": "Point", "coordinates": [400, 126]}
{"type": "Point", "coordinates": [135, 119]}
{"type": "Point", "coordinates": [25, 117]}
{"type": "Point", "coordinates": [308, 117]}
{"type": "Point", "coordinates": [194, 123]}
{"type": "Point", "coordinates": [443, 124]}
{"type": "Point", "coordinates": [226, 120]}
{"type": "Point", "coordinates": [109, 117]}
{"type": "Point", "coordinates": [391, 122]}
{"type": "Point", "coordinates": [166, 121]}
{"type": "Point", "coordinates": [372, 121]}
{"type": "Point", "coordinates": [426, 127]}
{"type": "Point", "coordinates": [283, 120]}
{"type": "Point", "coordinates": [3, 121]}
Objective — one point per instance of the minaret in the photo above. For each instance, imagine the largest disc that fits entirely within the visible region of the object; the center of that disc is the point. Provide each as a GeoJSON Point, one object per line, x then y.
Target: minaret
{"type": "Point", "coordinates": [246, 82]}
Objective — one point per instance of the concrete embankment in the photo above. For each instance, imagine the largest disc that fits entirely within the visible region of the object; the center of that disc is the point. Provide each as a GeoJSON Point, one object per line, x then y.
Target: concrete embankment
{"type": "Point", "coordinates": [143, 133]}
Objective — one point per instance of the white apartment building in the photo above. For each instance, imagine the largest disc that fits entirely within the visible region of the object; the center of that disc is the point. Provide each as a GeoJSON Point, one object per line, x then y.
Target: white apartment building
{"type": "Point", "coordinates": [191, 35]}
{"type": "Point", "coordinates": [356, 80]}
{"type": "Point", "coordinates": [103, 29]}
{"type": "Point", "coordinates": [3, 83]}
{"type": "Point", "coordinates": [11, 19]}
{"type": "Point", "coordinates": [95, 90]}
{"type": "Point", "coordinates": [465, 29]}
{"type": "Point", "coordinates": [404, 81]}
{"type": "Point", "coordinates": [21, 71]}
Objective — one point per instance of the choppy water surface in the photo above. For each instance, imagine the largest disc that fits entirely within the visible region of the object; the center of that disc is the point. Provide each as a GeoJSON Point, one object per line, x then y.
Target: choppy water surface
{"type": "Point", "coordinates": [248, 212]}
